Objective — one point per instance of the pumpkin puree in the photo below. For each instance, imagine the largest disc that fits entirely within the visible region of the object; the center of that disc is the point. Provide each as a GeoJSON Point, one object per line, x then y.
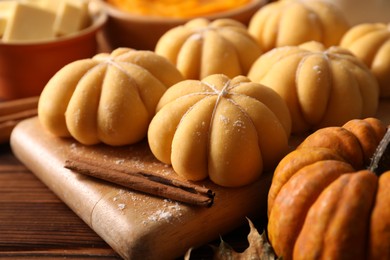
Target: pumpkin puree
{"type": "Point", "coordinates": [176, 8]}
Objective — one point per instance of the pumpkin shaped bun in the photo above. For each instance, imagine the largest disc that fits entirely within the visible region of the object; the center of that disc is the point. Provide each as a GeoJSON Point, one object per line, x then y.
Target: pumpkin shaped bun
{"type": "Point", "coordinates": [108, 98]}
{"type": "Point", "coordinates": [370, 42]}
{"type": "Point", "coordinates": [325, 202]}
{"type": "Point", "coordinates": [322, 87]}
{"type": "Point", "coordinates": [200, 48]}
{"type": "Point", "coordinates": [226, 129]}
{"type": "Point", "coordinates": [292, 22]}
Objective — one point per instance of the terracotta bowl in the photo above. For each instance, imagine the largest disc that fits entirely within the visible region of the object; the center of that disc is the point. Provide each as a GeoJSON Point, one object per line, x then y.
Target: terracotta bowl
{"type": "Point", "coordinates": [125, 29]}
{"type": "Point", "coordinates": [25, 68]}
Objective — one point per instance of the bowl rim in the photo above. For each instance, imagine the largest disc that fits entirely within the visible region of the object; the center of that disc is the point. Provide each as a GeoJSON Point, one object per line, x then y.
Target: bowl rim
{"type": "Point", "coordinates": [123, 15]}
{"type": "Point", "coordinates": [99, 18]}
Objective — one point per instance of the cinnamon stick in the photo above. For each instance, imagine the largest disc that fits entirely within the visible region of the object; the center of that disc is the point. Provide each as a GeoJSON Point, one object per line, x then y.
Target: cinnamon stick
{"type": "Point", "coordinates": [12, 112]}
{"type": "Point", "coordinates": [17, 116]}
{"type": "Point", "coordinates": [18, 105]}
{"type": "Point", "coordinates": [146, 182]}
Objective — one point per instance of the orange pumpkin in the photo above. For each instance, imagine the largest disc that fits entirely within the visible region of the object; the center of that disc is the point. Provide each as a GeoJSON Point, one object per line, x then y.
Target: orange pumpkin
{"type": "Point", "coordinates": [324, 204]}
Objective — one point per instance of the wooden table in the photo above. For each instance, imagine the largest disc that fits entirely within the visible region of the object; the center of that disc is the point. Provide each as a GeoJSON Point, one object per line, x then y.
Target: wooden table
{"type": "Point", "coordinates": [34, 223]}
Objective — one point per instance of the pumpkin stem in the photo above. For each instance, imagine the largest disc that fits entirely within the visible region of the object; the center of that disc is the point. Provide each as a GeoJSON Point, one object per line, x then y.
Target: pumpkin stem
{"type": "Point", "coordinates": [380, 161]}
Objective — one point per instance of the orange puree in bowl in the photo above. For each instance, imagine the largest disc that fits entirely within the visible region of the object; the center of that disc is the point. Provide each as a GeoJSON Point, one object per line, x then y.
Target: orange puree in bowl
{"type": "Point", "coordinates": [177, 8]}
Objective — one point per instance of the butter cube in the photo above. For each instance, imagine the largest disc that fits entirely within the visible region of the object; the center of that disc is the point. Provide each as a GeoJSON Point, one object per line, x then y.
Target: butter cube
{"type": "Point", "coordinates": [51, 5]}
{"type": "Point", "coordinates": [6, 8]}
{"type": "Point", "coordinates": [3, 24]}
{"type": "Point", "coordinates": [7, 5]}
{"type": "Point", "coordinates": [72, 16]}
{"type": "Point", "coordinates": [29, 23]}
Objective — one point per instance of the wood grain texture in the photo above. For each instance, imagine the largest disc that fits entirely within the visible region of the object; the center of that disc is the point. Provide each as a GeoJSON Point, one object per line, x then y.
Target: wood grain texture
{"type": "Point", "coordinates": [135, 225]}
{"type": "Point", "coordinates": [35, 223]}
{"type": "Point", "coordinates": [61, 234]}
{"type": "Point", "coordinates": [12, 112]}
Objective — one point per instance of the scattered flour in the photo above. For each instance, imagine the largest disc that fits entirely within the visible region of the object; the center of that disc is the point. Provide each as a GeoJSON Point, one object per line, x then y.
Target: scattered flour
{"type": "Point", "coordinates": [239, 124]}
{"type": "Point", "coordinates": [224, 119]}
{"type": "Point", "coordinates": [121, 206]}
{"type": "Point", "coordinates": [119, 161]}
{"type": "Point", "coordinates": [317, 68]}
{"type": "Point", "coordinates": [196, 37]}
{"type": "Point", "coordinates": [160, 214]}
{"type": "Point", "coordinates": [169, 211]}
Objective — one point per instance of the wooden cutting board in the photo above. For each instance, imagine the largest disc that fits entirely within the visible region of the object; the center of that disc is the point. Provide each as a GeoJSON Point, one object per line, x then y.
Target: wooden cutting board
{"type": "Point", "coordinates": [135, 225]}
{"type": "Point", "coordinates": [139, 226]}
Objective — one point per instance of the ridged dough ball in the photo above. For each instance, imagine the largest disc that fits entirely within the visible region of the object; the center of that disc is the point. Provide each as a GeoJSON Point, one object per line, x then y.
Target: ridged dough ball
{"type": "Point", "coordinates": [293, 22]}
{"type": "Point", "coordinates": [108, 98]}
{"type": "Point", "coordinates": [370, 42]}
{"type": "Point", "coordinates": [229, 130]}
{"type": "Point", "coordinates": [201, 47]}
{"type": "Point", "coordinates": [322, 87]}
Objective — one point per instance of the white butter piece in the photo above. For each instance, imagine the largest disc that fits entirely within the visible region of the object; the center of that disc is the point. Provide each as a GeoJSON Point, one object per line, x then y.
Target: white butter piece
{"type": "Point", "coordinates": [72, 16]}
{"type": "Point", "coordinates": [6, 8]}
{"type": "Point", "coordinates": [3, 23]}
{"type": "Point", "coordinates": [51, 5]}
{"type": "Point", "coordinates": [29, 23]}
{"type": "Point", "coordinates": [33, 20]}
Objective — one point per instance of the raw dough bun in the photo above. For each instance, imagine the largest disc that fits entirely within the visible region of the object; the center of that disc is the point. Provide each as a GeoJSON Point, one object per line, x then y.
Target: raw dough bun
{"type": "Point", "coordinates": [109, 98]}
{"type": "Point", "coordinates": [371, 43]}
{"type": "Point", "coordinates": [322, 87]}
{"type": "Point", "coordinates": [364, 11]}
{"type": "Point", "coordinates": [226, 129]}
{"type": "Point", "coordinates": [201, 48]}
{"type": "Point", "coordinates": [293, 22]}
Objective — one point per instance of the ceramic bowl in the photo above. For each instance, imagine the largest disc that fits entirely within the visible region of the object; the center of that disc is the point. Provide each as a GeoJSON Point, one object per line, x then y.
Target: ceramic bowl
{"type": "Point", "coordinates": [25, 68]}
{"type": "Point", "coordinates": [126, 29]}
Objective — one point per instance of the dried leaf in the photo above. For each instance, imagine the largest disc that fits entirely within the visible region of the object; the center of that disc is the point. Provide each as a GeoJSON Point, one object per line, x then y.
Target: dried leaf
{"type": "Point", "coordinates": [224, 252]}
{"type": "Point", "coordinates": [259, 248]}
{"type": "Point", "coordinates": [188, 254]}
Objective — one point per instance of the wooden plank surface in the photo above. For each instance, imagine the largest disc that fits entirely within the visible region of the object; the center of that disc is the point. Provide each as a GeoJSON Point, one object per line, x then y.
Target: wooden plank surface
{"type": "Point", "coordinates": [36, 224]}
{"type": "Point", "coordinates": [135, 225]}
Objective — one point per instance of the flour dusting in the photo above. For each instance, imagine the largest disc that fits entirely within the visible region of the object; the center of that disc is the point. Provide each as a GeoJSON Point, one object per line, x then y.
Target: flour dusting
{"type": "Point", "coordinates": [121, 206]}
{"type": "Point", "coordinates": [167, 213]}
{"type": "Point", "coordinates": [120, 161]}
{"type": "Point", "coordinates": [239, 124]}
{"type": "Point", "coordinates": [317, 68]}
{"type": "Point", "coordinates": [224, 119]}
